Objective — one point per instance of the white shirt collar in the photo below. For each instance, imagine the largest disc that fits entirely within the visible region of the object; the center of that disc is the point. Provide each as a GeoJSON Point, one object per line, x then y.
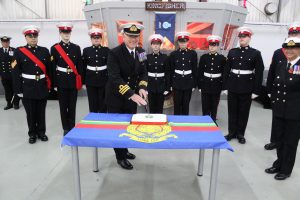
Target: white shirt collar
{"type": "Point", "coordinates": [130, 50]}
{"type": "Point", "coordinates": [294, 61]}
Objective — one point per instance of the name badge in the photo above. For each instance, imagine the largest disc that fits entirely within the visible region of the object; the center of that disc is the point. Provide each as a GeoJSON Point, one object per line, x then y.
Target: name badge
{"type": "Point", "coordinates": [11, 53]}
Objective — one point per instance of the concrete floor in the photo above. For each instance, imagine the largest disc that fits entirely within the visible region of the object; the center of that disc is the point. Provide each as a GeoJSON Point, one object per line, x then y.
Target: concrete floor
{"type": "Point", "coordinates": [43, 171]}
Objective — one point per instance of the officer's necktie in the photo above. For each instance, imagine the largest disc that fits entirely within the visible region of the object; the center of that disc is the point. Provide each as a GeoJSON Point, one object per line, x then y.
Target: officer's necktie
{"type": "Point", "coordinates": [5, 51]}
{"type": "Point", "coordinates": [289, 66]}
{"type": "Point", "coordinates": [132, 54]}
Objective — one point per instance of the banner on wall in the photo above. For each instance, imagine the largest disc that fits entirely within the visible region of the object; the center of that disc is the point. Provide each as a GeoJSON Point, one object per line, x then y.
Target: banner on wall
{"type": "Point", "coordinates": [165, 25]}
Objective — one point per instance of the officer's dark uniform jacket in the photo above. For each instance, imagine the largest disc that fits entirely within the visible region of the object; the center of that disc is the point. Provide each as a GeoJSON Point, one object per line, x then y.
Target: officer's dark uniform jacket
{"type": "Point", "coordinates": [31, 88]}
{"type": "Point", "coordinates": [5, 62]}
{"type": "Point", "coordinates": [244, 58]}
{"type": "Point", "coordinates": [211, 64]}
{"type": "Point", "coordinates": [183, 61]}
{"type": "Point", "coordinates": [285, 96]}
{"type": "Point", "coordinates": [157, 65]}
{"type": "Point", "coordinates": [66, 79]}
{"type": "Point", "coordinates": [126, 75]}
{"type": "Point", "coordinates": [95, 57]}
{"type": "Point", "coordinates": [278, 58]}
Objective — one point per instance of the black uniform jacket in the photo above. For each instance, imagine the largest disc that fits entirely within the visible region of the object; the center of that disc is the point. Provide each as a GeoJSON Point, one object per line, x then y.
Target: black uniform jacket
{"type": "Point", "coordinates": [66, 79]}
{"type": "Point", "coordinates": [5, 62]}
{"type": "Point", "coordinates": [211, 64]}
{"type": "Point", "coordinates": [158, 64]}
{"type": "Point", "coordinates": [244, 58]}
{"type": "Point", "coordinates": [31, 88]}
{"type": "Point", "coordinates": [285, 96]}
{"type": "Point", "coordinates": [126, 75]}
{"type": "Point", "coordinates": [95, 57]}
{"type": "Point", "coordinates": [183, 60]}
{"type": "Point", "coordinates": [278, 57]}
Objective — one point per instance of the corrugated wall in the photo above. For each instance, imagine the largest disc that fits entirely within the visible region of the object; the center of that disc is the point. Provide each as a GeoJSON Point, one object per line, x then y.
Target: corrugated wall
{"type": "Point", "coordinates": [56, 9]}
{"type": "Point", "coordinates": [72, 9]}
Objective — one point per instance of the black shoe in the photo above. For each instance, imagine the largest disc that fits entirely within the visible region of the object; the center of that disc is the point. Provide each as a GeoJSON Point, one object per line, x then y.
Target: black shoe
{"type": "Point", "coordinates": [241, 140]}
{"type": "Point", "coordinates": [272, 170]}
{"type": "Point", "coordinates": [281, 176]}
{"type": "Point", "coordinates": [229, 137]}
{"type": "Point", "coordinates": [16, 107]}
{"type": "Point", "coordinates": [125, 164]}
{"type": "Point", "coordinates": [270, 146]}
{"type": "Point", "coordinates": [130, 156]}
{"type": "Point", "coordinates": [43, 138]}
{"type": "Point", "coordinates": [32, 140]}
{"type": "Point", "coordinates": [8, 107]}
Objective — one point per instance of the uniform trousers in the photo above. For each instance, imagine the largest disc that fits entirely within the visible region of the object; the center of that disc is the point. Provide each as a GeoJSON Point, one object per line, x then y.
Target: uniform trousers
{"type": "Point", "coordinates": [35, 113]}
{"type": "Point", "coordinates": [67, 98]}
{"type": "Point", "coordinates": [128, 107]}
{"type": "Point", "coordinates": [182, 100]}
{"type": "Point", "coordinates": [210, 102]}
{"type": "Point", "coordinates": [238, 112]}
{"type": "Point", "coordinates": [287, 143]}
{"type": "Point", "coordinates": [156, 102]}
{"type": "Point", "coordinates": [96, 97]}
{"type": "Point", "coordinates": [9, 93]}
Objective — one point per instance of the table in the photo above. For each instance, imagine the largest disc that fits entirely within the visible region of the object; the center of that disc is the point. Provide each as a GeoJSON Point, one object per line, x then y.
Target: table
{"type": "Point", "coordinates": [115, 131]}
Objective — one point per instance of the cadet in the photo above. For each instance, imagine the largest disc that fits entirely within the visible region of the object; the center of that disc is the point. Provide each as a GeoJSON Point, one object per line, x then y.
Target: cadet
{"type": "Point", "coordinates": [6, 56]}
{"type": "Point", "coordinates": [210, 80]}
{"type": "Point", "coordinates": [183, 64]}
{"type": "Point", "coordinates": [31, 77]}
{"type": "Point", "coordinates": [94, 73]}
{"type": "Point", "coordinates": [127, 81]}
{"type": "Point", "coordinates": [285, 99]}
{"type": "Point", "coordinates": [243, 78]}
{"type": "Point", "coordinates": [278, 57]}
{"type": "Point", "coordinates": [67, 62]}
{"type": "Point", "coordinates": [158, 75]}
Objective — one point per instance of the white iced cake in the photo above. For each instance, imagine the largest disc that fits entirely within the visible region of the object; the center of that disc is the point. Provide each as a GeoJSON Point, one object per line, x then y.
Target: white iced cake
{"type": "Point", "coordinates": [143, 118]}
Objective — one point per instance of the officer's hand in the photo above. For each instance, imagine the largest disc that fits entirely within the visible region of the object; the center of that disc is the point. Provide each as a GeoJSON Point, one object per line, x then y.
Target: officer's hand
{"type": "Point", "coordinates": [166, 92]}
{"type": "Point", "coordinates": [170, 88]}
{"type": "Point", "coordinates": [269, 95]}
{"type": "Point", "coordinates": [143, 93]}
{"type": "Point", "coordinates": [138, 100]}
{"type": "Point", "coordinates": [55, 89]}
{"type": "Point", "coordinates": [20, 95]}
{"type": "Point", "coordinates": [200, 90]}
{"type": "Point", "coordinates": [224, 92]}
{"type": "Point", "coordinates": [193, 89]}
{"type": "Point", "coordinates": [253, 96]}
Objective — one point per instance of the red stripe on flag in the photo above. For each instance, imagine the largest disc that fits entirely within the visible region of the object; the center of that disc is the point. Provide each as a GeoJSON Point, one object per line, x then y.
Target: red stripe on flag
{"type": "Point", "coordinates": [195, 128]}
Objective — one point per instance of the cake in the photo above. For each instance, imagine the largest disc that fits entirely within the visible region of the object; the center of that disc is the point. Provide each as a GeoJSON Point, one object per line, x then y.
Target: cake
{"type": "Point", "coordinates": [149, 119]}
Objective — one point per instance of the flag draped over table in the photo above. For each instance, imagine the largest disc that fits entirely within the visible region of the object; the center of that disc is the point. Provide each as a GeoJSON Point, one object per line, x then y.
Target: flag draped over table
{"type": "Point", "coordinates": [116, 131]}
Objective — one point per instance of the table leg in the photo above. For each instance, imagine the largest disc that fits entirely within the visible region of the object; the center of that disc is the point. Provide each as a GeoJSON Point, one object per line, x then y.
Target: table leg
{"type": "Point", "coordinates": [201, 162]}
{"type": "Point", "coordinates": [214, 174]}
{"type": "Point", "coordinates": [76, 174]}
{"type": "Point", "coordinates": [95, 160]}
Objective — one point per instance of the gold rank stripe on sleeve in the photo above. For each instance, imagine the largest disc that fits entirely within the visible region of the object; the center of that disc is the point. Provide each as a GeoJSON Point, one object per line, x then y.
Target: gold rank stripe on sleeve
{"type": "Point", "coordinates": [52, 58]}
{"type": "Point", "coordinates": [13, 64]}
{"type": "Point", "coordinates": [143, 83]}
{"type": "Point", "coordinates": [123, 89]}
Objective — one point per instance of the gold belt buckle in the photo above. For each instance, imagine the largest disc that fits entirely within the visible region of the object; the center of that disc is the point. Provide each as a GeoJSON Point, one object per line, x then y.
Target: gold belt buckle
{"type": "Point", "coordinates": [37, 77]}
{"type": "Point", "coordinates": [69, 70]}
